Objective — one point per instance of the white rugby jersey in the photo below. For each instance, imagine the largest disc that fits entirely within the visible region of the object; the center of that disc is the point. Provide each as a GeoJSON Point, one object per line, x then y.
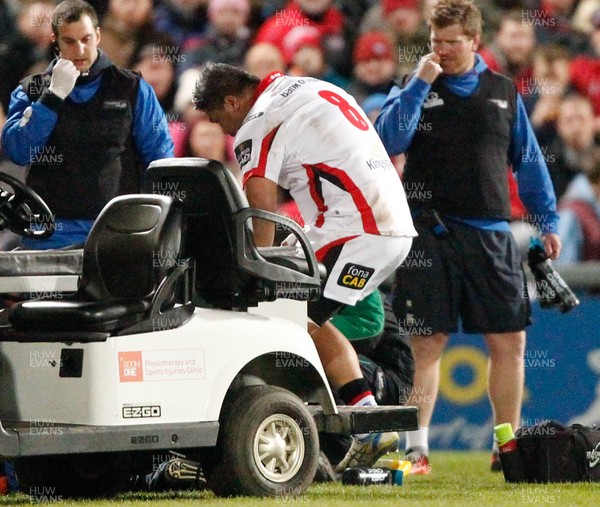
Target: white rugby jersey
{"type": "Point", "coordinates": [311, 137]}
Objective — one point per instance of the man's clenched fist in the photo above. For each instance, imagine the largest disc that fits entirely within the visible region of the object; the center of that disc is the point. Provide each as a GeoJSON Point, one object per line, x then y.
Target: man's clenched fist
{"type": "Point", "coordinates": [429, 68]}
{"type": "Point", "coordinates": [64, 76]}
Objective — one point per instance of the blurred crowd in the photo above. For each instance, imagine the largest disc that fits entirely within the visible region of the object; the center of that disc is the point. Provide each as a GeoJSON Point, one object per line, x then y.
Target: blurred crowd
{"type": "Point", "coordinates": [550, 48]}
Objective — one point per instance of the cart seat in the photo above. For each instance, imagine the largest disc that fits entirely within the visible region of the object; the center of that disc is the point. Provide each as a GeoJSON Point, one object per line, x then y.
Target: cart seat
{"type": "Point", "coordinates": [132, 249]}
{"type": "Point", "coordinates": [231, 272]}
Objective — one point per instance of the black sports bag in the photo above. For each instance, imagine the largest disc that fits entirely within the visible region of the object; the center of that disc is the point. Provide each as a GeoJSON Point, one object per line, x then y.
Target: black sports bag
{"type": "Point", "coordinates": [552, 452]}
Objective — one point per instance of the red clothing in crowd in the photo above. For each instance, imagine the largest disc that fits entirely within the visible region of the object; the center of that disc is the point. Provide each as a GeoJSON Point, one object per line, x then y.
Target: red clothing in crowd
{"type": "Point", "coordinates": [585, 77]}
{"type": "Point", "coordinates": [286, 25]}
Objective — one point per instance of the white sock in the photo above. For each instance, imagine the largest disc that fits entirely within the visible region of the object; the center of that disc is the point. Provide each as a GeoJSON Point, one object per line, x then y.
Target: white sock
{"type": "Point", "coordinates": [418, 440]}
{"type": "Point", "coordinates": [367, 401]}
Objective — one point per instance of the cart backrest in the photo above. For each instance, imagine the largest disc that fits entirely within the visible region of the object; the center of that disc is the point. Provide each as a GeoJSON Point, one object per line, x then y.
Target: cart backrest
{"type": "Point", "coordinates": [211, 198]}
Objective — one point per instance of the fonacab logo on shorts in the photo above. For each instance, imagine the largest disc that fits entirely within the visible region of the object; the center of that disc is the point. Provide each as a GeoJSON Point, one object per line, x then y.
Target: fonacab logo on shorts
{"type": "Point", "coordinates": [355, 276]}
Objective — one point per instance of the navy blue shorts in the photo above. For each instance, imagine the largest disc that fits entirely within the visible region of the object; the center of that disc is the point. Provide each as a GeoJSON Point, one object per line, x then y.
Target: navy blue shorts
{"type": "Point", "coordinates": [471, 276]}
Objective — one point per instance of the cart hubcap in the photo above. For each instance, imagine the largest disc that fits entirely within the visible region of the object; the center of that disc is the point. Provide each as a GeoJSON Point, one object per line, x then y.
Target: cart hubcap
{"type": "Point", "coordinates": [278, 448]}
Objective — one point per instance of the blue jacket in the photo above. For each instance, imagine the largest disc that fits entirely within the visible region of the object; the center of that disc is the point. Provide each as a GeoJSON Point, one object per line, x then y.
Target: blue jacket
{"type": "Point", "coordinates": [30, 124]}
{"type": "Point", "coordinates": [529, 166]}
{"type": "Point", "coordinates": [20, 138]}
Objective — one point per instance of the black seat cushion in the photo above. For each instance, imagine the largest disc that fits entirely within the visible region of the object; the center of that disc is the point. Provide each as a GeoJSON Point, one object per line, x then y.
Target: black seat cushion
{"type": "Point", "coordinates": [78, 315]}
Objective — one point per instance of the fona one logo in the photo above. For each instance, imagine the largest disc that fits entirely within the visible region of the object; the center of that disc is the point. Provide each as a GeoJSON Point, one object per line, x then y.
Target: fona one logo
{"type": "Point", "coordinates": [355, 276]}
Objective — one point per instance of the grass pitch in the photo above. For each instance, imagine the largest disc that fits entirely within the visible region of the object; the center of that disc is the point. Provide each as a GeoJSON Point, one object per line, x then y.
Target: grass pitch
{"type": "Point", "coordinates": [458, 478]}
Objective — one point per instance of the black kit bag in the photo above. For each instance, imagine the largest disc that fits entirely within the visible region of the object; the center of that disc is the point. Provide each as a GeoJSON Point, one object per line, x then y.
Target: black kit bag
{"type": "Point", "coordinates": [552, 452]}
{"type": "Point", "coordinates": [589, 440]}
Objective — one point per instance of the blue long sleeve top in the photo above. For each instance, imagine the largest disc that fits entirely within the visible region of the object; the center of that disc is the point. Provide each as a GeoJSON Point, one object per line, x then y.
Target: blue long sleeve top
{"type": "Point", "coordinates": [527, 160]}
{"type": "Point", "coordinates": [26, 130]}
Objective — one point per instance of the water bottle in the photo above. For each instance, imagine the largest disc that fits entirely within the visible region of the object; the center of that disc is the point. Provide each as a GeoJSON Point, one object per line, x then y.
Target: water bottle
{"type": "Point", "coordinates": [552, 289]}
{"type": "Point", "coordinates": [513, 466]}
{"type": "Point", "coordinates": [363, 476]}
{"type": "Point", "coordinates": [395, 464]}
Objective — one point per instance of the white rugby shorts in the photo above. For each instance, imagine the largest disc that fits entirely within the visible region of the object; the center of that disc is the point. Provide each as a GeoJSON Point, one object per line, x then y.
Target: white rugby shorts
{"type": "Point", "coordinates": [363, 264]}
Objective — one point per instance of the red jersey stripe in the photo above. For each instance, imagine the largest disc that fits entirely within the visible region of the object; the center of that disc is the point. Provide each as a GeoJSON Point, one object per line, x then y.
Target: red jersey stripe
{"type": "Point", "coordinates": [316, 195]}
{"type": "Point", "coordinates": [324, 250]}
{"type": "Point", "coordinates": [366, 213]}
{"type": "Point", "coordinates": [265, 146]}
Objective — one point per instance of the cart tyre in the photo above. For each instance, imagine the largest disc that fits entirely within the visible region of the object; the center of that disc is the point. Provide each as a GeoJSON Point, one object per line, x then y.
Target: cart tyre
{"type": "Point", "coordinates": [268, 445]}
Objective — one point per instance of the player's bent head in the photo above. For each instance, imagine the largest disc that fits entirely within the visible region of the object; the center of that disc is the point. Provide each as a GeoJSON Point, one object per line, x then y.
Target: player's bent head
{"type": "Point", "coordinates": [219, 80]}
{"type": "Point", "coordinates": [71, 11]}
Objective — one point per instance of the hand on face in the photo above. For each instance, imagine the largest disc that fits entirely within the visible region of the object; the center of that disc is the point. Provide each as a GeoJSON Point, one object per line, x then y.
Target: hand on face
{"type": "Point", "coordinates": [429, 68]}
{"type": "Point", "coordinates": [63, 79]}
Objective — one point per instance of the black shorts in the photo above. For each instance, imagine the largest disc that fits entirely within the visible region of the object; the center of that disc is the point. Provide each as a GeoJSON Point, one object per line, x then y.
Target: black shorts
{"type": "Point", "coordinates": [472, 275]}
{"type": "Point", "coordinates": [321, 310]}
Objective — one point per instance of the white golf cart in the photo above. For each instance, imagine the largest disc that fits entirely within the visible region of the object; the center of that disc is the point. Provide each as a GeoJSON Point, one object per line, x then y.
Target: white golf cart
{"type": "Point", "coordinates": [169, 331]}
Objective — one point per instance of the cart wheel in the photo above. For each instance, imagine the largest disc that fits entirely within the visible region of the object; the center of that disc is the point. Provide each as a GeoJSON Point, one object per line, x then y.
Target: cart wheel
{"type": "Point", "coordinates": [268, 446]}
{"type": "Point", "coordinates": [54, 478]}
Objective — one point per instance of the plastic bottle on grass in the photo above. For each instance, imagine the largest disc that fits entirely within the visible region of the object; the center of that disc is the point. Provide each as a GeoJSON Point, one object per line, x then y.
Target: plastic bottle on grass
{"type": "Point", "coordinates": [512, 462]}
{"type": "Point", "coordinates": [364, 476]}
{"type": "Point", "coordinates": [395, 464]}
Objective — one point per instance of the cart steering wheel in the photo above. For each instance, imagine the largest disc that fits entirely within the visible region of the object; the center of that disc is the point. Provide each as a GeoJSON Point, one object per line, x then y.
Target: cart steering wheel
{"type": "Point", "coordinates": [23, 211]}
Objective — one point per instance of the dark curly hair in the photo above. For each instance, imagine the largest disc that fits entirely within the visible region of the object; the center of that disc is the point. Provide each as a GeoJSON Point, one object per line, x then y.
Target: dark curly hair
{"type": "Point", "coordinates": [219, 80]}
